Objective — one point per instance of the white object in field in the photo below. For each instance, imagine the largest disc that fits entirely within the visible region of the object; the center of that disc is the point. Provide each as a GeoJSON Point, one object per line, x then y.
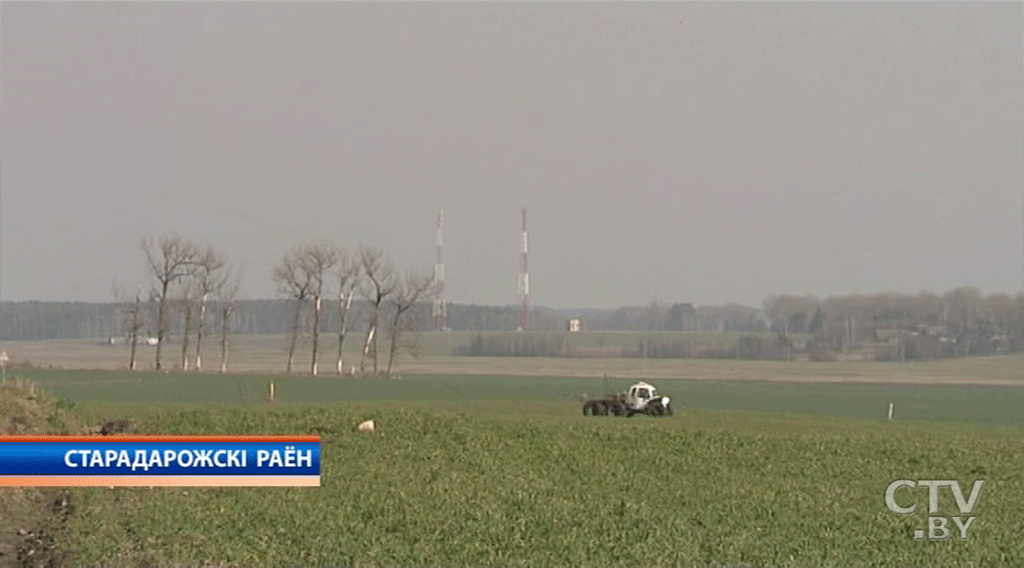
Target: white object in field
{"type": "Point", "coordinates": [641, 394]}
{"type": "Point", "coordinates": [271, 391]}
{"type": "Point", "coordinates": [3, 365]}
{"type": "Point", "coordinates": [890, 411]}
{"type": "Point", "coordinates": [366, 426]}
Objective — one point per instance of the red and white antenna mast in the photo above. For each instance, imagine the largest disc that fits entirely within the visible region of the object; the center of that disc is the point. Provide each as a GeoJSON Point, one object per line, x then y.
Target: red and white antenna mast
{"type": "Point", "coordinates": [525, 319]}
{"type": "Point", "coordinates": [440, 312]}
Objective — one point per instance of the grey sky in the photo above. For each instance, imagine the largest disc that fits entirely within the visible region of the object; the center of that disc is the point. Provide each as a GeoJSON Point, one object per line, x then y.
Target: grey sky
{"type": "Point", "coordinates": [685, 151]}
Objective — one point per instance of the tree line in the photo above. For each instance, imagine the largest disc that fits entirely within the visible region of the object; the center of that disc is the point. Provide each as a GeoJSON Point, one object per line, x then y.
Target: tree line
{"type": "Point", "coordinates": [326, 289]}
{"type": "Point", "coordinates": [963, 317]}
{"type": "Point", "coordinates": [845, 321]}
{"type": "Point", "coordinates": [187, 280]}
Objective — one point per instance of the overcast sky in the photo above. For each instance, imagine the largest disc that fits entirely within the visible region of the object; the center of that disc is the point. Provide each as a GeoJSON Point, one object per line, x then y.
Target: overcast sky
{"type": "Point", "coordinates": [673, 151]}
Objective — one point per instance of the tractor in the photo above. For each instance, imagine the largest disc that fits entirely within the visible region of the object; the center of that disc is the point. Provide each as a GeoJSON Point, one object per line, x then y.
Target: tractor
{"type": "Point", "coordinates": [641, 398]}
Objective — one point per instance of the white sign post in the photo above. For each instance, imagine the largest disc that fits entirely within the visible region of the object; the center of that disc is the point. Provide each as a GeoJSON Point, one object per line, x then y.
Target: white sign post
{"type": "Point", "coordinates": [3, 366]}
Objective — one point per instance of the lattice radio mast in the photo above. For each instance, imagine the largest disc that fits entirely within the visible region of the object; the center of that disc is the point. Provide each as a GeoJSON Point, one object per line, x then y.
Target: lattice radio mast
{"type": "Point", "coordinates": [525, 319]}
{"type": "Point", "coordinates": [440, 311]}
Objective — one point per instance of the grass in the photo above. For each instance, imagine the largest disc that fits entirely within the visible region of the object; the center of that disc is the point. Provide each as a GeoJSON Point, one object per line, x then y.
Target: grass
{"type": "Point", "coordinates": [433, 344]}
{"type": "Point", "coordinates": [29, 521]}
{"type": "Point", "coordinates": [981, 404]}
{"type": "Point", "coordinates": [503, 470]}
{"type": "Point", "coordinates": [262, 353]}
{"type": "Point", "coordinates": [267, 354]}
{"type": "Point", "coordinates": [449, 343]}
{"type": "Point", "coordinates": [464, 484]}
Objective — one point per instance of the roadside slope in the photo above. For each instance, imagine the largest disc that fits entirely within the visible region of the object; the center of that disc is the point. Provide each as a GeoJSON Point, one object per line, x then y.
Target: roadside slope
{"type": "Point", "coordinates": [32, 526]}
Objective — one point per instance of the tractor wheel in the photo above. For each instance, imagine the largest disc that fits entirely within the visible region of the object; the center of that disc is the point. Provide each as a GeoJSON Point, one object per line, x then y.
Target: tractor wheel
{"type": "Point", "coordinates": [657, 411]}
{"type": "Point", "coordinates": [616, 409]}
{"type": "Point", "coordinates": [602, 408]}
{"type": "Point", "coordinates": [588, 407]}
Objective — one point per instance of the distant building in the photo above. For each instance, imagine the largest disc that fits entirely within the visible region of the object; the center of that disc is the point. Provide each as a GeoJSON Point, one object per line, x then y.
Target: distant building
{"type": "Point", "coordinates": [886, 334]}
{"type": "Point", "coordinates": [127, 340]}
{"type": "Point", "coordinates": [932, 331]}
{"type": "Point", "coordinates": [573, 324]}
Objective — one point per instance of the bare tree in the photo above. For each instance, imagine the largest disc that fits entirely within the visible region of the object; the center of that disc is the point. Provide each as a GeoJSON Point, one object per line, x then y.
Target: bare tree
{"type": "Point", "coordinates": [187, 301]}
{"type": "Point", "coordinates": [169, 259]}
{"type": "Point", "coordinates": [349, 271]}
{"type": "Point", "coordinates": [411, 289]}
{"type": "Point", "coordinates": [226, 292]}
{"type": "Point", "coordinates": [318, 260]}
{"type": "Point", "coordinates": [152, 312]}
{"type": "Point", "coordinates": [1017, 333]}
{"type": "Point", "coordinates": [964, 303]}
{"type": "Point", "coordinates": [785, 309]}
{"type": "Point", "coordinates": [208, 268]}
{"type": "Point", "coordinates": [132, 313]}
{"type": "Point", "coordinates": [380, 273]}
{"type": "Point", "coordinates": [293, 280]}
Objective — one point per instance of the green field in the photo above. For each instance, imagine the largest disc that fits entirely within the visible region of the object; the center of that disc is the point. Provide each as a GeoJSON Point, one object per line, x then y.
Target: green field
{"type": "Point", "coordinates": [449, 343]}
{"type": "Point", "coordinates": [268, 354]}
{"type": "Point", "coordinates": [979, 404]}
{"type": "Point", "coordinates": [435, 350]}
{"type": "Point", "coordinates": [503, 470]}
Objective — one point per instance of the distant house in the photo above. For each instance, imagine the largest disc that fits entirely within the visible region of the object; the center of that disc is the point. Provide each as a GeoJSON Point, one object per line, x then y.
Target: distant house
{"type": "Point", "coordinates": [127, 340]}
{"type": "Point", "coordinates": [1000, 343]}
{"type": "Point", "coordinates": [934, 331]}
{"type": "Point", "coordinates": [573, 324]}
{"type": "Point", "coordinates": [886, 334]}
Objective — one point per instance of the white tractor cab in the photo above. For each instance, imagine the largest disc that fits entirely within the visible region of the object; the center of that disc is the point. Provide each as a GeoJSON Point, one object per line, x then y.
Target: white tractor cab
{"type": "Point", "coordinates": [642, 398]}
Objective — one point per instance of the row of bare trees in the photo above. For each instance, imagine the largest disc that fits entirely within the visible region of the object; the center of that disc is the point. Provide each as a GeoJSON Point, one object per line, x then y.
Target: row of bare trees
{"type": "Point", "coordinates": [191, 279]}
{"type": "Point", "coordinates": [188, 277]}
{"type": "Point", "coordinates": [313, 271]}
{"type": "Point", "coordinates": [964, 316]}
